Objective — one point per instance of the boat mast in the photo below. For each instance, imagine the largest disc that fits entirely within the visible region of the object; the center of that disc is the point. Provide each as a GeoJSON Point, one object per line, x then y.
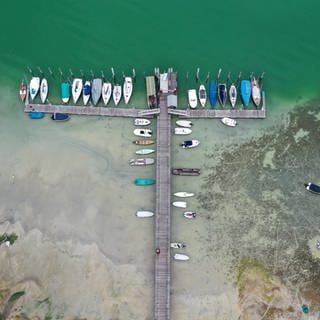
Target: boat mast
{"type": "Point", "coordinates": [208, 76]}
{"type": "Point", "coordinates": [113, 75]}
{"type": "Point", "coordinates": [134, 74]}
{"type": "Point", "coordinates": [197, 74]}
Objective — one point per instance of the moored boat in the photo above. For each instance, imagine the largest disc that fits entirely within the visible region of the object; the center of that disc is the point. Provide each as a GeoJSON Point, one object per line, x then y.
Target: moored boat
{"type": "Point", "coordinates": [141, 122]}
{"type": "Point", "coordinates": [186, 172]}
{"type": "Point", "coordinates": [179, 204]}
{"type": "Point", "coordinates": [34, 87]}
{"type": "Point", "coordinates": [143, 142]}
{"type": "Point", "coordinates": [189, 214]}
{"type": "Point", "coordinates": [213, 94]}
{"type": "Point", "coordinates": [44, 90]}
{"type": "Point", "coordinates": [96, 90]}
{"type": "Point", "coordinates": [116, 95]}
{"type": "Point", "coordinates": [144, 182]}
{"type": "Point", "coordinates": [184, 194]}
{"type": "Point", "coordinates": [145, 151]}
{"type": "Point", "coordinates": [177, 245]}
{"type": "Point", "coordinates": [144, 214]}
{"type": "Point", "coordinates": [76, 89]}
{"type": "Point", "coordinates": [192, 98]}
{"type": "Point", "coordinates": [181, 257]}
{"type": "Point", "coordinates": [189, 144]}
{"type": "Point", "coordinates": [222, 93]}
{"type": "Point", "coordinates": [182, 131]}
{"type": "Point", "coordinates": [245, 89]}
{"type": "Point", "coordinates": [127, 89]}
{"type": "Point", "coordinates": [184, 123]}
{"type": "Point", "coordinates": [312, 187]}
{"type": "Point", "coordinates": [36, 115]}
{"type": "Point", "coordinates": [23, 91]}
{"type": "Point", "coordinates": [141, 161]}
{"type": "Point", "coordinates": [106, 92]}
{"type": "Point", "coordinates": [202, 95]}
{"type": "Point", "coordinates": [65, 92]}
{"type": "Point", "coordinates": [86, 92]}
{"type": "Point", "coordinates": [233, 95]}
{"type": "Point", "coordinates": [147, 133]}
{"type": "Point", "coordinates": [255, 92]}
{"type": "Point", "coordinates": [229, 122]}
{"type": "Point", "coordinates": [60, 117]}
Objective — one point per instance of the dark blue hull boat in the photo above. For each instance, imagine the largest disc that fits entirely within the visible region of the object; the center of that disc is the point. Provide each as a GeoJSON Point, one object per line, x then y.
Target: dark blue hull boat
{"type": "Point", "coordinates": [60, 117]}
{"type": "Point", "coordinates": [222, 94]}
{"type": "Point", "coordinates": [36, 115]}
{"type": "Point", "coordinates": [312, 187]}
{"type": "Point", "coordinates": [213, 94]}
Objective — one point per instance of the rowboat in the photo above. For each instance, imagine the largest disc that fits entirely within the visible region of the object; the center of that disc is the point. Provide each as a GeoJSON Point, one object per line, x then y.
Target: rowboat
{"type": "Point", "coordinates": [23, 91]}
{"type": "Point", "coordinates": [143, 142]}
{"type": "Point", "coordinates": [141, 122]}
{"type": "Point", "coordinates": [177, 245]}
{"type": "Point", "coordinates": [179, 204]}
{"type": "Point", "coordinates": [222, 93]}
{"type": "Point", "coordinates": [116, 95]}
{"type": "Point", "coordinates": [183, 194]}
{"type": "Point", "coordinates": [34, 87]}
{"type": "Point", "coordinates": [229, 122]}
{"type": "Point", "coordinates": [192, 98]}
{"type": "Point", "coordinates": [245, 88]}
{"type": "Point", "coordinates": [189, 144]}
{"type": "Point", "coordinates": [144, 182]}
{"type": "Point", "coordinates": [86, 92]}
{"type": "Point", "coordinates": [60, 117]}
{"type": "Point", "coordinates": [189, 215]}
{"type": "Point", "coordinates": [65, 92]}
{"type": "Point", "coordinates": [147, 133]}
{"type": "Point", "coordinates": [186, 172]}
{"type": "Point", "coordinates": [213, 94]}
{"type": "Point", "coordinates": [44, 90]}
{"type": "Point", "coordinates": [255, 92]}
{"type": "Point", "coordinates": [312, 187]}
{"type": "Point", "coordinates": [127, 89]}
{"type": "Point", "coordinates": [36, 115]}
{"type": "Point", "coordinates": [144, 214]}
{"type": "Point", "coordinates": [76, 89]}
{"type": "Point", "coordinates": [106, 92]}
{"type": "Point", "coordinates": [145, 151]}
{"type": "Point", "coordinates": [181, 257]}
{"type": "Point", "coordinates": [182, 131]}
{"type": "Point", "coordinates": [96, 90]}
{"type": "Point", "coordinates": [184, 123]}
{"type": "Point", "coordinates": [233, 95]}
{"type": "Point", "coordinates": [202, 95]}
{"type": "Point", "coordinates": [141, 162]}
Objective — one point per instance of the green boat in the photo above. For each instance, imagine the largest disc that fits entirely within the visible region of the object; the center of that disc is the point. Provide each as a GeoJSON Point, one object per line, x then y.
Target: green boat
{"type": "Point", "coordinates": [144, 182]}
{"type": "Point", "coordinates": [65, 92]}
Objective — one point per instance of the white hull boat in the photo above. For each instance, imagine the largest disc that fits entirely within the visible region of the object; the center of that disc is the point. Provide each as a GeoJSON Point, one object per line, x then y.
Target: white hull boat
{"type": "Point", "coordinates": [116, 95]}
{"type": "Point", "coordinates": [44, 89]}
{"type": "Point", "coordinates": [96, 90]}
{"type": "Point", "coordinates": [233, 95]}
{"type": "Point", "coordinates": [127, 89]}
{"type": "Point", "coordinates": [189, 215]}
{"type": "Point", "coordinates": [86, 92]}
{"type": "Point", "coordinates": [34, 87]}
{"type": "Point", "coordinates": [106, 92]}
{"type": "Point", "coordinates": [179, 204]}
{"type": "Point", "coordinates": [147, 133]}
{"type": "Point", "coordinates": [144, 214]}
{"type": "Point", "coordinates": [255, 92]}
{"type": "Point", "coordinates": [184, 123]}
{"type": "Point", "coordinates": [192, 98]}
{"type": "Point", "coordinates": [76, 89]}
{"type": "Point", "coordinates": [184, 194]}
{"type": "Point", "coordinates": [141, 161]}
{"type": "Point", "coordinates": [141, 122]}
{"type": "Point", "coordinates": [189, 144]}
{"type": "Point", "coordinates": [145, 151]}
{"type": "Point", "coordinates": [182, 131]}
{"type": "Point", "coordinates": [202, 95]}
{"type": "Point", "coordinates": [181, 257]}
{"type": "Point", "coordinates": [229, 122]}
{"type": "Point", "coordinates": [177, 245]}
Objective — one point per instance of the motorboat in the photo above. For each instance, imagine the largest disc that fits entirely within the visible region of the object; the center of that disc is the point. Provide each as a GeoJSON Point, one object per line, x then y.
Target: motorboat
{"type": "Point", "coordinates": [144, 182]}
{"type": "Point", "coordinates": [245, 88]}
{"type": "Point", "coordinates": [36, 115]}
{"type": "Point", "coordinates": [106, 92]}
{"type": "Point", "coordinates": [255, 92]}
{"type": "Point", "coordinates": [34, 87]}
{"type": "Point", "coordinates": [222, 93]}
{"type": "Point", "coordinates": [184, 194]}
{"type": "Point", "coordinates": [127, 89]}
{"type": "Point", "coordinates": [182, 131]}
{"type": "Point", "coordinates": [189, 144]}
{"type": "Point", "coordinates": [60, 117]}
{"type": "Point", "coordinates": [179, 204]}
{"type": "Point", "coordinates": [44, 90]}
{"type": "Point", "coordinates": [233, 95]}
{"type": "Point", "coordinates": [145, 151]}
{"type": "Point", "coordinates": [184, 123]}
{"type": "Point", "coordinates": [192, 98]}
{"type": "Point", "coordinates": [312, 187]}
{"type": "Point", "coordinates": [76, 89]}
{"type": "Point", "coordinates": [116, 95]}
{"type": "Point", "coordinates": [144, 214]}
{"type": "Point", "coordinates": [189, 214]}
{"type": "Point", "coordinates": [143, 142]}
{"type": "Point", "coordinates": [141, 161]}
{"type": "Point", "coordinates": [186, 172]}
{"type": "Point", "coordinates": [96, 90]}
{"type": "Point", "coordinates": [65, 92]}
{"type": "Point", "coordinates": [86, 92]}
{"type": "Point", "coordinates": [181, 257]}
{"type": "Point", "coordinates": [202, 95]}
{"type": "Point", "coordinates": [23, 91]}
{"type": "Point", "coordinates": [147, 133]}
{"type": "Point", "coordinates": [177, 245]}
{"type": "Point", "coordinates": [213, 94]}
{"type": "Point", "coordinates": [141, 122]}
{"type": "Point", "coordinates": [229, 122]}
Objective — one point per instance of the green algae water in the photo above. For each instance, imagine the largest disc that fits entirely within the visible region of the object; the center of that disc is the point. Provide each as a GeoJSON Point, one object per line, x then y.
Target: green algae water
{"type": "Point", "coordinates": [278, 38]}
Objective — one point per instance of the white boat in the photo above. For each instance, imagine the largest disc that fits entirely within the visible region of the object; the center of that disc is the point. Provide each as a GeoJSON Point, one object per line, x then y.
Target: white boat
{"type": "Point", "coordinates": [127, 89]}
{"type": "Point", "coordinates": [189, 215]}
{"type": "Point", "coordinates": [177, 245]}
{"type": "Point", "coordinates": [183, 194]}
{"type": "Point", "coordinates": [233, 95]}
{"type": "Point", "coordinates": [106, 92]}
{"type": "Point", "coordinates": [202, 95]}
{"type": "Point", "coordinates": [86, 92]}
{"type": "Point", "coordinates": [116, 95]}
{"type": "Point", "coordinates": [34, 87]}
{"type": "Point", "coordinates": [229, 122]}
{"type": "Point", "coordinates": [147, 133]}
{"type": "Point", "coordinates": [255, 92]}
{"type": "Point", "coordinates": [76, 89]}
{"type": "Point", "coordinates": [144, 214]}
{"type": "Point", "coordinates": [141, 122]}
{"type": "Point", "coordinates": [192, 98]}
{"type": "Point", "coordinates": [44, 89]}
{"type": "Point", "coordinates": [145, 151]}
{"type": "Point", "coordinates": [179, 204]}
{"type": "Point", "coordinates": [181, 257]}
{"type": "Point", "coordinates": [141, 161]}
{"type": "Point", "coordinates": [182, 131]}
{"type": "Point", "coordinates": [96, 90]}
{"type": "Point", "coordinates": [184, 123]}
{"type": "Point", "coordinates": [189, 144]}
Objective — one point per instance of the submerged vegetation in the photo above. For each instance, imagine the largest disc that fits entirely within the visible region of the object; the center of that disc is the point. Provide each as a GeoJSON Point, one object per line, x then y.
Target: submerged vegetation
{"type": "Point", "coordinates": [12, 237]}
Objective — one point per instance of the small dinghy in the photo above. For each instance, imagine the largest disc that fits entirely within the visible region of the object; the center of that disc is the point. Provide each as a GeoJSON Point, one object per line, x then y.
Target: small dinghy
{"type": "Point", "coordinates": [86, 92]}
{"type": "Point", "coordinates": [106, 92]}
{"type": "Point", "coordinates": [181, 257]}
{"type": "Point", "coordinates": [36, 115]}
{"type": "Point", "coordinates": [145, 151]}
{"type": "Point", "coordinates": [141, 161]}
{"type": "Point", "coordinates": [189, 144]}
{"type": "Point", "coordinates": [179, 204]}
{"type": "Point", "coordinates": [182, 131]}
{"type": "Point", "coordinates": [144, 214]}
{"type": "Point", "coordinates": [147, 133]}
{"type": "Point", "coordinates": [184, 123]}
{"type": "Point", "coordinates": [143, 142]}
{"type": "Point", "coordinates": [312, 187]}
{"type": "Point", "coordinates": [184, 194]}
{"type": "Point", "coordinates": [202, 95]}
{"type": "Point", "coordinates": [177, 245]}
{"type": "Point", "coordinates": [44, 90]}
{"type": "Point", "coordinates": [189, 215]}
{"type": "Point", "coordinates": [116, 95]}
{"type": "Point", "coordinates": [141, 122]}
{"type": "Point", "coordinates": [60, 117]}
{"type": "Point", "coordinates": [76, 89]}
{"type": "Point", "coordinates": [23, 91]}
{"type": "Point", "coordinates": [229, 122]}
{"type": "Point", "coordinates": [192, 98]}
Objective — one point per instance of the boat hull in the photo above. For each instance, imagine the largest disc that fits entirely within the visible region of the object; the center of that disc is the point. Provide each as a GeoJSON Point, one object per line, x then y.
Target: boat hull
{"type": "Point", "coordinates": [36, 115]}
{"type": "Point", "coordinates": [141, 161]}
{"type": "Point", "coordinates": [189, 215]}
{"type": "Point", "coordinates": [188, 144]}
{"type": "Point", "coordinates": [229, 122]}
{"type": "Point", "coordinates": [60, 117]}
{"type": "Point", "coordinates": [65, 92]}
{"type": "Point", "coordinates": [177, 245]}
{"type": "Point", "coordinates": [181, 257]}
{"type": "Point", "coordinates": [34, 87]}
{"type": "Point", "coordinates": [145, 151]}
{"type": "Point", "coordinates": [116, 95]}
{"type": "Point", "coordinates": [44, 90]}
{"type": "Point", "coordinates": [76, 89]}
{"type": "Point", "coordinates": [184, 194]}
{"type": "Point", "coordinates": [245, 92]}
{"type": "Point", "coordinates": [312, 188]}
{"type": "Point", "coordinates": [143, 142]}
{"type": "Point", "coordinates": [179, 204]}
{"type": "Point", "coordinates": [255, 92]}
{"type": "Point", "coordinates": [106, 92]}
{"type": "Point", "coordinates": [192, 98]}
{"type": "Point", "coordinates": [144, 182]}
{"type": "Point", "coordinates": [141, 122]}
{"type": "Point", "coordinates": [127, 89]}
{"type": "Point", "coordinates": [86, 92]}
{"type": "Point", "coordinates": [147, 133]}
{"type": "Point", "coordinates": [213, 94]}
{"type": "Point", "coordinates": [144, 214]}
{"type": "Point", "coordinates": [23, 92]}
{"type": "Point", "coordinates": [182, 131]}
{"type": "Point", "coordinates": [233, 95]}
{"type": "Point", "coordinates": [202, 95]}
{"type": "Point", "coordinates": [184, 123]}
{"type": "Point", "coordinates": [186, 172]}
{"type": "Point", "coordinates": [96, 90]}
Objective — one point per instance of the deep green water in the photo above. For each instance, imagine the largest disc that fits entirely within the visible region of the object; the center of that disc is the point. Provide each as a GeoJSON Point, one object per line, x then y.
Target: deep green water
{"type": "Point", "coordinates": [279, 38]}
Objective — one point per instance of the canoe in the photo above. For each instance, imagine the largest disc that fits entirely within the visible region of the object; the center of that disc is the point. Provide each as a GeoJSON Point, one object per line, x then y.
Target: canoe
{"type": "Point", "coordinates": [147, 133]}
{"type": "Point", "coordinates": [65, 92]}
{"type": "Point", "coordinates": [36, 115]}
{"type": "Point", "coordinates": [141, 161]}
{"type": "Point", "coordinates": [116, 95]}
{"type": "Point", "coordinates": [177, 245]}
{"type": "Point", "coordinates": [34, 87]}
{"type": "Point", "coordinates": [179, 204]}
{"type": "Point", "coordinates": [182, 131]}
{"type": "Point", "coordinates": [44, 90]}
{"type": "Point", "coordinates": [213, 94]}
{"type": "Point", "coordinates": [76, 89]}
{"type": "Point", "coordinates": [86, 92]}
{"type": "Point", "coordinates": [141, 122]}
{"type": "Point", "coordinates": [96, 90]}
{"type": "Point", "coordinates": [143, 142]}
{"type": "Point", "coordinates": [183, 194]}
{"type": "Point", "coordinates": [144, 182]}
{"type": "Point", "coordinates": [245, 89]}
{"type": "Point", "coordinates": [202, 95]}
{"type": "Point", "coordinates": [144, 214]}
{"type": "Point", "coordinates": [312, 187]}
{"type": "Point", "coordinates": [192, 98]}
{"type": "Point", "coordinates": [189, 215]}
{"type": "Point", "coordinates": [181, 257]}
{"type": "Point", "coordinates": [127, 89]}
{"type": "Point", "coordinates": [184, 123]}
{"type": "Point", "coordinates": [106, 92]}
{"type": "Point", "coordinates": [222, 94]}
{"type": "Point", "coordinates": [23, 91]}
{"type": "Point", "coordinates": [229, 122]}
{"type": "Point", "coordinates": [60, 117]}
{"type": "Point", "coordinates": [255, 92]}
{"type": "Point", "coordinates": [233, 95]}
{"type": "Point", "coordinates": [145, 151]}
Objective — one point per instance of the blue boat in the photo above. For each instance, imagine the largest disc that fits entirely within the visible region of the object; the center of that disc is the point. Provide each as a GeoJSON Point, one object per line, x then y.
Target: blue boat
{"type": "Point", "coordinates": [222, 94]}
{"type": "Point", "coordinates": [60, 117]}
{"type": "Point", "coordinates": [36, 115]}
{"type": "Point", "coordinates": [213, 94]}
{"type": "Point", "coordinates": [65, 92]}
{"type": "Point", "coordinates": [245, 92]}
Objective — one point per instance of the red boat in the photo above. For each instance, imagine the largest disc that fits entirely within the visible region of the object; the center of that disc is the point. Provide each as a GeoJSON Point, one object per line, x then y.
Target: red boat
{"type": "Point", "coordinates": [23, 91]}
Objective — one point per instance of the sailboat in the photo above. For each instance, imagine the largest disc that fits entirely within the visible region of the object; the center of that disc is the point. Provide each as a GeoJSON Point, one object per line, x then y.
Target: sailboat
{"type": "Point", "coordinates": [96, 90]}
{"type": "Point", "coordinates": [86, 92]}
{"type": "Point", "coordinates": [77, 86]}
{"type": "Point", "coordinates": [255, 91]}
{"type": "Point", "coordinates": [213, 94]}
{"type": "Point", "coordinates": [106, 92]}
{"type": "Point", "coordinates": [34, 87]}
{"type": "Point", "coordinates": [65, 92]}
{"type": "Point", "coordinates": [233, 95]}
{"type": "Point", "coordinates": [117, 92]}
{"type": "Point", "coordinates": [222, 91]}
{"type": "Point", "coordinates": [127, 89]}
{"type": "Point", "coordinates": [23, 91]}
{"type": "Point", "coordinates": [192, 98]}
{"type": "Point", "coordinates": [202, 95]}
{"type": "Point", "coordinates": [245, 92]}
{"type": "Point", "coordinates": [44, 90]}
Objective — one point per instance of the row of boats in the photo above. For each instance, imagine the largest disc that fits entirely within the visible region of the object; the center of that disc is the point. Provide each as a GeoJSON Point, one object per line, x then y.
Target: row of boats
{"type": "Point", "coordinates": [95, 89]}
